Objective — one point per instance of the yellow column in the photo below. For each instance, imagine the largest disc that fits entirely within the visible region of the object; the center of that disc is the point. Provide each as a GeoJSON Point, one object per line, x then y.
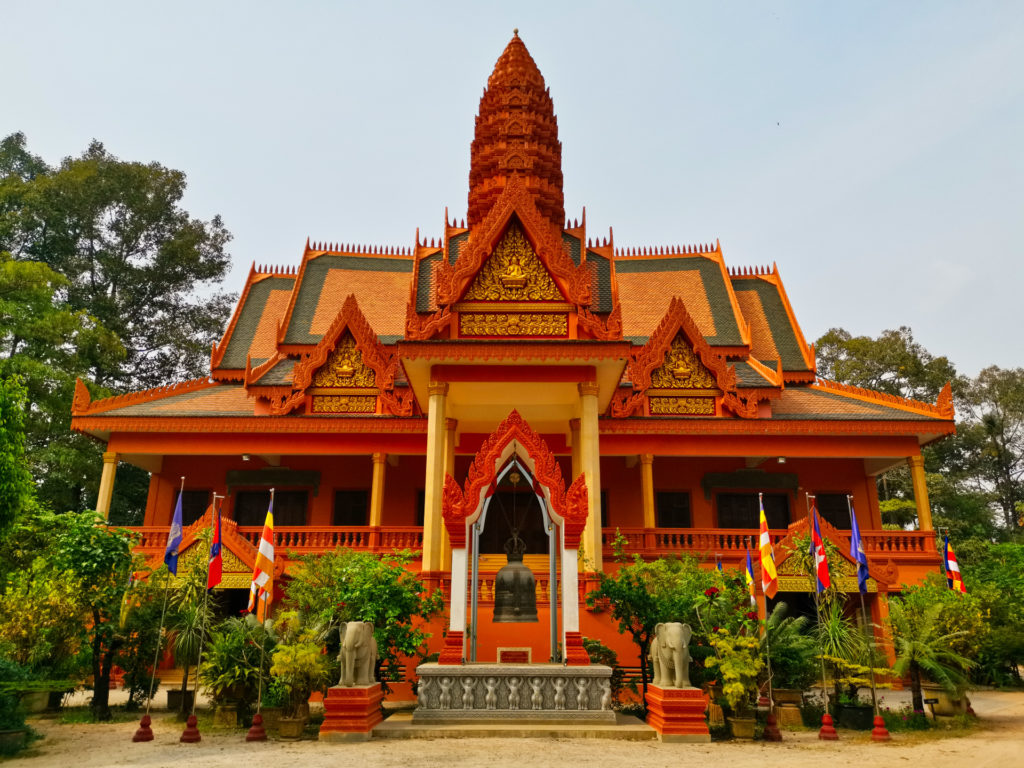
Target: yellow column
{"type": "Point", "coordinates": [647, 488]}
{"type": "Point", "coordinates": [449, 468]}
{"type": "Point", "coordinates": [574, 427]}
{"type": "Point", "coordinates": [107, 484]}
{"type": "Point", "coordinates": [924, 510]}
{"type": "Point", "coordinates": [377, 489]}
{"type": "Point", "coordinates": [590, 466]}
{"type": "Point", "coordinates": [433, 485]}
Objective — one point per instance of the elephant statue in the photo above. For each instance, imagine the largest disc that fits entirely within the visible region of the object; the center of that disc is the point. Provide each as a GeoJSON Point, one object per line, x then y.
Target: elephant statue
{"type": "Point", "coordinates": [670, 654]}
{"type": "Point", "coordinates": [358, 654]}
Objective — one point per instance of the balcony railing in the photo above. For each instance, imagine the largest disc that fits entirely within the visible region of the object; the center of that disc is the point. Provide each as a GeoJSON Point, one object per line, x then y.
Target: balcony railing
{"type": "Point", "coordinates": [309, 538]}
{"type": "Point", "coordinates": [732, 543]}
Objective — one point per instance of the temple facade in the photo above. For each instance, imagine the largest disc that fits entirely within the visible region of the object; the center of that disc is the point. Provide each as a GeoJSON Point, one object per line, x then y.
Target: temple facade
{"type": "Point", "coordinates": [520, 377]}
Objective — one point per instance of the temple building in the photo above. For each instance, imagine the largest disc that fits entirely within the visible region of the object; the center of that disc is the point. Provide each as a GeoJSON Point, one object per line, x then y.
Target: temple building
{"type": "Point", "coordinates": [517, 381]}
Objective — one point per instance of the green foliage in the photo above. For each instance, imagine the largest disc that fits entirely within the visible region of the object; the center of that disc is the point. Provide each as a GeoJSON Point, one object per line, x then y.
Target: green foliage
{"type": "Point", "coordinates": [738, 661]}
{"type": "Point", "coordinates": [16, 491]}
{"type": "Point", "coordinates": [793, 649]}
{"type": "Point", "coordinates": [599, 653]}
{"type": "Point", "coordinates": [232, 661]}
{"type": "Point", "coordinates": [299, 663]}
{"type": "Point", "coordinates": [335, 587]}
{"type": "Point", "coordinates": [923, 648]}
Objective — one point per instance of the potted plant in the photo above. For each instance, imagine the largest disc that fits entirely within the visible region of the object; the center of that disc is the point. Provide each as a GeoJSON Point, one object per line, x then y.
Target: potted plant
{"type": "Point", "coordinates": [923, 649]}
{"type": "Point", "coordinates": [738, 662]}
{"type": "Point", "coordinates": [793, 661]}
{"type": "Point", "coordinates": [231, 667]}
{"type": "Point", "coordinates": [301, 667]}
{"type": "Point", "coordinates": [275, 698]}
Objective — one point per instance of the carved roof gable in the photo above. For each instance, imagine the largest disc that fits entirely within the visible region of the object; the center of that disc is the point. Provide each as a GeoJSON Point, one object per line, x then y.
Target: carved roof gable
{"type": "Point", "coordinates": [513, 272]}
{"type": "Point", "coordinates": [345, 367]}
{"type": "Point", "coordinates": [682, 369]}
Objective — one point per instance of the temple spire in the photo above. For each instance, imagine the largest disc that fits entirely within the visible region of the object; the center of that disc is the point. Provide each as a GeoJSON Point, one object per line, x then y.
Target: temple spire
{"type": "Point", "coordinates": [516, 135]}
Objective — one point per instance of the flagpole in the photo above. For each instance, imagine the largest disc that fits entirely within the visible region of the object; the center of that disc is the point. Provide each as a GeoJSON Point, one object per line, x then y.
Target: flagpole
{"type": "Point", "coordinates": [202, 634]}
{"type": "Point", "coordinates": [868, 628]}
{"type": "Point", "coordinates": [817, 607]}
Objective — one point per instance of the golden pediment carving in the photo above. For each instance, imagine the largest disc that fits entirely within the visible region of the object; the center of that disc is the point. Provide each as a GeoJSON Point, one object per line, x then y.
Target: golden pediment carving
{"type": "Point", "coordinates": [344, 367]}
{"type": "Point", "coordinates": [513, 324]}
{"type": "Point", "coordinates": [792, 577]}
{"type": "Point", "coordinates": [682, 369]}
{"type": "Point", "coordinates": [513, 272]}
{"type": "Point", "coordinates": [344, 404]}
{"type": "Point", "coordinates": [235, 573]}
{"type": "Point", "coordinates": [683, 406]}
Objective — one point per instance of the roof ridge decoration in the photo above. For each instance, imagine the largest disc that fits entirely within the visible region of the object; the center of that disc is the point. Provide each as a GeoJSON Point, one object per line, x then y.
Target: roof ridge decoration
{"type": "Point", "coordinates": [254, 374]}
{"type": "Point", "coordinates": [351, 249]}
{"type": "Point", "coordinates": [943, 408]}
{"type": "Point", "coordinates": [698, 249]}
{"type": "Point", "coordinates": [643, 362]}
{"type": "Point", "coordinates": [807, 351]}
{"type": "Point", "coordinates": [382, 360]}
{"type": "Point", "coordinates": [83, 405]}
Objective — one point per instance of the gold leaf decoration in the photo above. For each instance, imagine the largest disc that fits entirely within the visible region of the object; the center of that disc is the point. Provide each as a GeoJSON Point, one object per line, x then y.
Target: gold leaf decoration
{"type": "Point", "coordinates": [345, 367]}
{"type": "Point", "coordinates": [682, 369]}
{"type": "Point", "coordinates": [344, 404]}
{"type": "Point", "coordinates": [513, 273]}
{"type": "Point", "coordinates": [683, 406]}
{"type": "Point", "coordinates": [512, 324]}
{"type": "Point", "coordinates": [236, 574]}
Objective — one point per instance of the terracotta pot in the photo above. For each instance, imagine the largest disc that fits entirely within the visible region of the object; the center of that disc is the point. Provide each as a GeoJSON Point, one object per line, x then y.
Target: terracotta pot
{"type": "Point", "coordinates": [788, 696]}
{"type": "Point", "coordinates": [271, 717]}
{"type": "Point", "coordinates": [291, 727]}
{"type": "Point", "coordinates": [742, 727]}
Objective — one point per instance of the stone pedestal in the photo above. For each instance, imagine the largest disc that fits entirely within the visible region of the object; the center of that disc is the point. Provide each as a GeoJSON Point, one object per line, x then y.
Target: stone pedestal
{"type": "Point", "coordinates": [514, 693]}
{"type": "Point", "coordinates": [677, 714]}
{"type": "Point", "coordinates": [788, 716]}
{"type": "Point", "coordinates": [350, 714]}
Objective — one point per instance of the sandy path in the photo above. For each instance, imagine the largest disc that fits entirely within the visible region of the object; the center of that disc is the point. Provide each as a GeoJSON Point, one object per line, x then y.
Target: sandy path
{"type": "Point", "coordinates": [1000, 744]}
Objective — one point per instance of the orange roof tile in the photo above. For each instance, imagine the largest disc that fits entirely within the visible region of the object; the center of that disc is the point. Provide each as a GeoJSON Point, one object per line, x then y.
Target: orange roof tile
{"type": "Point", "coordinates": [645, 298]}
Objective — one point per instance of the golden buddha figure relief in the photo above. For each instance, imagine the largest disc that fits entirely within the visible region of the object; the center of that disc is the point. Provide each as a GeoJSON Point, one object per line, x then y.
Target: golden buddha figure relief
{"type": "Point", "coordinates": [513, 272]}
{"type": "Point", "coordinates": [682, 369]}
{"type": "Point", "coordinates": [344, 367]}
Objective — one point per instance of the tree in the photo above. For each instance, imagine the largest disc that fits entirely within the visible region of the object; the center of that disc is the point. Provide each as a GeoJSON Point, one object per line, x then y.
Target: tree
{"type": "Point", "coordinates": [16, 491]}
{"type": "Point", "coordinates": [923, 649]}
{"type": "Point", "coordinates": [100, 557]}
{"type": "Point", "coordinates": [340, 586]}
{"type": "Point", "coordinates": [133, 258]}
{"type": "Point", "coordinates": [997, 401]}
{"type": "Point", "coordinates": [48, 345]}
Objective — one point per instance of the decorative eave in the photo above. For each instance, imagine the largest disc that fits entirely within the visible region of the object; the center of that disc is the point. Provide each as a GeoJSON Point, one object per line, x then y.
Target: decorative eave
{"type": "Point", "coordinates": [83, 405]}
{"type": "Point", "coordinates": [768, 426]}
{"type": "Point", "coordinates": [515, 200]}
{"type": "Point", "coordinates": [942, 409]}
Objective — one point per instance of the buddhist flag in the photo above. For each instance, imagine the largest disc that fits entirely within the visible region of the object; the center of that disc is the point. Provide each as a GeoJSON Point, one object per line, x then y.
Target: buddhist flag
{"type": "Point", "coordinates": [821, 577]}
{"type": "Point", "coordinates": [174, 538]}
{"type": "Point", "coordinates": [769, 576]}
{"type": "Point", "coordinates": [857, 551]}
{"type": "Point", "coordinates": [261, 589]}
{"type": "Point", "coordinates": [216, 565]}
{"type": "Point", "coordinates": [748, 574]}
{"type": "Point", "coordinates": [953, 577]}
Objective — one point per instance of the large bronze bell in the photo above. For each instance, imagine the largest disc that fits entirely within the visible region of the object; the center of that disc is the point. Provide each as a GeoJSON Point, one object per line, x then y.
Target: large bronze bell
{"type": "Point", "coordinates": [515, 589]}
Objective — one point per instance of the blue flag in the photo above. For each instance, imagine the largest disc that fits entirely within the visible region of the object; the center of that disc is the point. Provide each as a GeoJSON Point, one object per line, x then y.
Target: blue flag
{"type": "Point", "coordinates": [857, 552]}
{"type": "Point", "coordinates": [174, 539]}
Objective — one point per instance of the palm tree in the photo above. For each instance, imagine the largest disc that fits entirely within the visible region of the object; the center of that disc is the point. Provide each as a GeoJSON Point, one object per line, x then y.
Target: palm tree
{"type": "Point", "coordinates": [839, 641]}
{"type": "Point", "coordinates": [921, 649]}
{"type": "Point", "coordinates": [793, 649]}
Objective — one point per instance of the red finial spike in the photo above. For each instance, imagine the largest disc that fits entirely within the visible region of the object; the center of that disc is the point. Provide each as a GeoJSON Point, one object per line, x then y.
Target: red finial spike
{"type": "Point", "coordinates": [307, 243]}
{"type": "Point", "coordinates": [462, 223]}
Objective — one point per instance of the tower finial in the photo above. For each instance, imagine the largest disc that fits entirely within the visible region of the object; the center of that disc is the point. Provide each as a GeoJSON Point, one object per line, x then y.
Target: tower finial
{"type": "Point", "coordinates": [515, 31]}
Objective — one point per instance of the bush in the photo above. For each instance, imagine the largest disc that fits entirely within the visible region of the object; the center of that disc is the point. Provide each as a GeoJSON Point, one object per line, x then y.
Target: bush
{"type": "Point", "coordinates": [600, 653]}
{"type": "Point", "coordinates": [905, 719]}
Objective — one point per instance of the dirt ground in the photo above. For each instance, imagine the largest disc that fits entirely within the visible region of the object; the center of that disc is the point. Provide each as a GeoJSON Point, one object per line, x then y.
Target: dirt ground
{"type": "Point", "coordinates": [999, 741]}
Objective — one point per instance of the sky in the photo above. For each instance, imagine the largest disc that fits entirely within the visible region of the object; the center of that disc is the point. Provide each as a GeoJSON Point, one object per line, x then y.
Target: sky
{"type": "Point", "coordinates": [873, 150]}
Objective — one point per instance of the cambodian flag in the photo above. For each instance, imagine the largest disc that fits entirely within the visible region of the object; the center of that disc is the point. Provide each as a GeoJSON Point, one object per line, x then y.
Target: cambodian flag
{"type": "Point", "coordinates": [857, 552]}
{"type": "Point", "coordinates": [214, 574]}
{"type": "Point", "coordinates": [821, 576]}
{"type": "Point", "coordinates": [953, 578]}
{"type": "Point", "coordinates": [174, 538]}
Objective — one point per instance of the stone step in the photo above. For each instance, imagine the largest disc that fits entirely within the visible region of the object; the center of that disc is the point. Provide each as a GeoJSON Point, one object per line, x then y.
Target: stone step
{"type": "Point", "coordinates": [626, 728]}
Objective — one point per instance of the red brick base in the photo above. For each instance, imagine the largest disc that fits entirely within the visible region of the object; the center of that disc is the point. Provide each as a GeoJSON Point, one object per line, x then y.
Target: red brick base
{"type": "Point", "coordinates": [575, 655]}
{"type": "Point", "coordinates": [351, 713]}
{"type": "Point", "coordinates": [451, 653]}
{"type": "Point", "coordinates": [677, 714]}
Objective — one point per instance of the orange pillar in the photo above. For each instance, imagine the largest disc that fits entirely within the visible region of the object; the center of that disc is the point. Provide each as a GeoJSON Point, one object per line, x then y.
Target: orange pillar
{"type": "Point", "coordinates": [924, 510]}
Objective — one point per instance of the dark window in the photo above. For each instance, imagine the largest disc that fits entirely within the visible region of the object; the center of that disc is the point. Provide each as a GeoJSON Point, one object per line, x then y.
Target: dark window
{"type": "Point", "coordinates": [604, 509]}
{"type": "Point", "coordinates": [421, 503]}
{"type": "Point", "coordinates": [834, 508]}
{"type": "Point", "coordinates": [289, 507]}
{"type": "Point", "coordinates": [351, 508]}
{"type": "Point", "coordinates": [672, 509]}
{"type": "Point", "coordinates": [740, 510]}
{"type": "Point", "coordinates": [194, 504]}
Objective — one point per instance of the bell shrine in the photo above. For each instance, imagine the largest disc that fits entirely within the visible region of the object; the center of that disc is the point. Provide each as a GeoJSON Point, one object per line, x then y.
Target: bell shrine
{"type": "Point", "coordinates": [506, 394]}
